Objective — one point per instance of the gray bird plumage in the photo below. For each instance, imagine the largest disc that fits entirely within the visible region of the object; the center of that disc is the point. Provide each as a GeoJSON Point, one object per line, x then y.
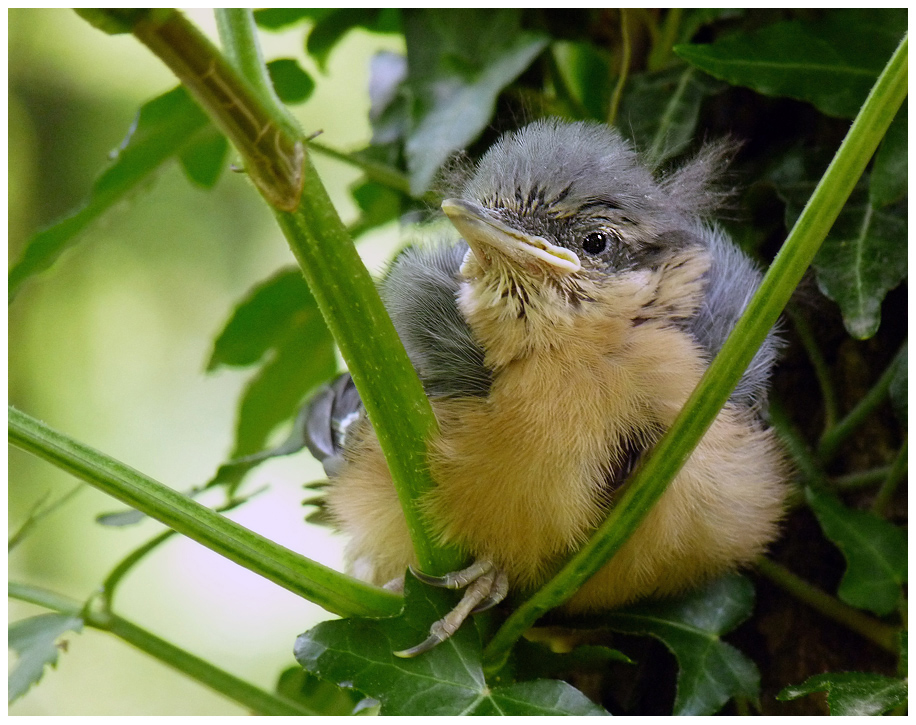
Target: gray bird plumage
{"type": "Point", "coordinates": [564, 181]}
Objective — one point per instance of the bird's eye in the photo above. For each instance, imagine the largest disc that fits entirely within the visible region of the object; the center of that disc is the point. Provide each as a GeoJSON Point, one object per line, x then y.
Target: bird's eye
{"type": "Point", "coordinates": [595, 242]}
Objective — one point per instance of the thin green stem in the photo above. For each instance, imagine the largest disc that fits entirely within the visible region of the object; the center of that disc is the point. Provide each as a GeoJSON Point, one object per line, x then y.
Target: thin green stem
{"type": "Point", "coordinates": [127, 563]}
{"type": "Point", "coordinates": [833, 438]}
{"type": "Point", "coordinates": [652, 478]}
{"type": "Point", "coordinates": [255, 699]}
{"type": "Point", "coordinates": [238, 34]}
{"type": "Point", "coordinates": [332, 590]}
{"type": "Point", "coordinates": [894, 477]}
{"type": "Point", "coordinates": [803, 458]}
{"type": "Point", "coordinates": [860, 479]}
{"type": "Point", "coordinates": [881, 634]}
{"type": "Point", "coordinates": [625, 53]}
{"type": "Point", "coordinates": [661, 48]}
{"type": "Point", "coordinates": [821, 369]}
{"type": "Point", "coordinates": [38, 513]}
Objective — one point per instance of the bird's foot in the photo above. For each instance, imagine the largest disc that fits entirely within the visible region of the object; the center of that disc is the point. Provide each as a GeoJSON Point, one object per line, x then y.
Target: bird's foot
{"type": "Point", "coordinates": [486, 586]}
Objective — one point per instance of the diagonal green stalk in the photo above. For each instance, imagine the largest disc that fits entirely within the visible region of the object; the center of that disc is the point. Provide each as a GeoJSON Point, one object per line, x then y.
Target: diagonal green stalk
{"type": "Point", "coordinates": [651, 480]}
{"type": "Point", "coordinates": [245, 694]}
{"type": "Point", "coordinates": [332, 590]}
{"type": "Point", "coordinates": [276, 158]}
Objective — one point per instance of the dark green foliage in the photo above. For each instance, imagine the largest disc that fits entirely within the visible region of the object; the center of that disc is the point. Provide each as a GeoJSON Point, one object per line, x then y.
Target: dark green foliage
{"type": "Point", "coordinates": [448, 680]}
{"type": "Point", "coordinates": [875, 551]}
{"type": "Point", "coordinates": [711, 672]}
{"type": "Point", "coordinates": [292, 84]}
{"type": "Point", "coordinates": [853, 693]}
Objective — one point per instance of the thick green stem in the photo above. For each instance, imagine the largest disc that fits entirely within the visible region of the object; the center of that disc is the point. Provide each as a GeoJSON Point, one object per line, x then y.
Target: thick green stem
{"type": "Point", "coordinates": [275, 156]}
{"type": "Point", "coordinates": [881, 634]}
{"type": "Point", "coordinates": [833, 438]}
{"type": "Point", "coordinates": [255, 699]}
{"type": "Point", "coordinates": [332, 590]}
{"type": "Point", "coordinates": [666, 459]}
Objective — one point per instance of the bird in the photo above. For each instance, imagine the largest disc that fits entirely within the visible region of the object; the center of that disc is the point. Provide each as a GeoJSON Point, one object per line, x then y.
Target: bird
{"type": "Point", "coordinates": [557, 335]}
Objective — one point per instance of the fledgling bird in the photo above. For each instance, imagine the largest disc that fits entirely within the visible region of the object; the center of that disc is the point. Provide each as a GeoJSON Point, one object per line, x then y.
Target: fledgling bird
{"type": "Point", "coordinates": [558, 340]}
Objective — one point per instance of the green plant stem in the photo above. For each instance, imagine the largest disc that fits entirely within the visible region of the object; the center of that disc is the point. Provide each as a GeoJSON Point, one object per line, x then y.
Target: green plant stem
{"type": "Point", "coordinates": [253, 698]}
{"type": "Point", "coordinates": [39, 512]}
{"type": "Point", "coordinates": [238, 34]}
{"type": "Point", "coordinates": [275, 155]}
{"type": "Point", "coordinates": [128, 562]}
{"type": "Point", "coordinates": [859, 479]}
{"type": "Point", "coordinates": [335, 592]}
{"type": "Point", "coordinates": [881, 634]}
{"type": "Point", "coordinates": [661, 48]}
{"type": "Point", "coordinates": [821, 369]}
{"type": "Point", "coordinates": [833, 437]}
{"type": "Point", "coordinates": [625, 53]}
{"type": "Point", "coordinates": [894, 477]}
{"type": "Point", "coordinates": [652, 478]}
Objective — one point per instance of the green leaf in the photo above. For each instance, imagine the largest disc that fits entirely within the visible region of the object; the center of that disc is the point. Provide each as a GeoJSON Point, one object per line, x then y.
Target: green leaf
{"type": "Point", "coordinates": [263, 319]}
{"type": "Point", "coordinates": [864, 255]}
{"type": "Point", "coordinates": [34, 640]}
{"type": "Point", "coordinates": [304, 360]}
{"type": "Point", "coordinates": [889, 173]}
{"type": "Point", "coordinates": [448, 680]}
{"type": "Point", "coordinates": [292, 84]}
{"type": "Point", "coordinates": [659, 111]}
{"type": "Point", "coordinates": [585, 70]}
{"type": "Point", "coordinates": [862, 259]}
{"type": "Point", "coordinates": [875, 551]}
{"type": "Point", "coordinates": [831, 62]}
{"type": "Point", "coordinates": [164, 128]}
{"type": "Point", "coordinates": [325, 698]}
{"type": "Point", "coordinates": [282, 18]}
{"type": "Point", "coordinates": [378, 205]}
{"type": "Point", "coordinates": [204, 160]}
{"type": "Point", "coordinates": [459, 60]}
{"type": "Point", "coordinates": [852, 693]}
{"type": "Point", "coordinates": [711, 672]}
{"type": "Point", "coordinates": [331, 28]}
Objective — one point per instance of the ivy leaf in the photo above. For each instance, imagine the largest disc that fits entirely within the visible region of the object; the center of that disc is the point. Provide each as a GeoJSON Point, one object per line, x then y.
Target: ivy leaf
{"type": "Point", "coordinates": [279, 324]}
{"type": "Point", "coordinates": [862, 258]}
{"type": "Point", "coordinates": [448, 680]}
{"type": "Point", "coordinates": [659, 111]}
{"type": "Point", "coordinates": [292, 84]}
{"type": "Point", "coordinates": [889, 173]}
{"type": "Point", "coordinates": [852, 693]}
{"type": "Point", "coordinates": [459, 60]}
{"type": "Point", "coordinates": [711, 672]}
{"type": "Point", "coordinates": [832, 62]}
{"type": "Point", "coordinates": [875, 551]}
{"type": "Point", "coordinates": [204, 160]}
{"type": "Point", "coordinates": [34, 639]}
{"type": "Point", "coordinates": [164, 128]}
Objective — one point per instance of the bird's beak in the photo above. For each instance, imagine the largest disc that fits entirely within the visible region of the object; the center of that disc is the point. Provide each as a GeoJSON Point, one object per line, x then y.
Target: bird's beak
{"type": "Point", "coordinates": [485, 235]}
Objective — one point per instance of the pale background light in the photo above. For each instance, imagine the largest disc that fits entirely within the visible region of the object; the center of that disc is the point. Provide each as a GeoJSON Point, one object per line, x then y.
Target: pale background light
{"type": "Point", "coordinates": [110, 346]}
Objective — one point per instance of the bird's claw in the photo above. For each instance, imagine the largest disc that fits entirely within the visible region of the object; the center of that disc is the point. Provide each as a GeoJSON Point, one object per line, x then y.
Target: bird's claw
{"type": "Point", "coordinates": [486, 587]}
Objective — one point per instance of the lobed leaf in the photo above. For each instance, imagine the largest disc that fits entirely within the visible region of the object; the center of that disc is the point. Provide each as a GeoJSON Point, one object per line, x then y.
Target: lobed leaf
{"type": "Point", "coordinates": [203, 161]}
{"type": "Point", "coordinates": [852, 693]}
{"type": "Point", "coordinates": [164, 129]}
{"type": "Point", "coordinates": [330, 28]}
{"type": "Point", "coordinates": [325, 698]}
{"type": "Point", "coordinates": [282, 18]}
{"type": "Point", "coordinates": [448, 680]}
{"type": "Point", "coordinates": [459, 60]}
{"type": "Point", "coordinates": [832, 62]}
{"type": "Point", "coordinates": [711, 672]}
{"type": "Point", "coordinates": [35, 641]}
{"type": "Point", "coordinates": [875, 551]}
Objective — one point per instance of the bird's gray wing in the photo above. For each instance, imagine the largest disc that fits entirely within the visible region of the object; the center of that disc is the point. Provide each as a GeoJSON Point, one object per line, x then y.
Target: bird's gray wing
{"type": "Point", "coordinates": [419, 292]}
{"type": "Point", "coordinates": [731, 281]}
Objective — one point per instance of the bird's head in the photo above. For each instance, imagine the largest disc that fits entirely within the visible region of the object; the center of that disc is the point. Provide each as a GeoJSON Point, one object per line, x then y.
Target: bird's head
{"type": "Point", "coordinates": [561, 217]}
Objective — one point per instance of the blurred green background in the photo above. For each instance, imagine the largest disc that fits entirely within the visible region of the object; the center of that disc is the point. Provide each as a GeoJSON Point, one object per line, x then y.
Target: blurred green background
{"type": "Point", "coordinates": [110, 345]}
